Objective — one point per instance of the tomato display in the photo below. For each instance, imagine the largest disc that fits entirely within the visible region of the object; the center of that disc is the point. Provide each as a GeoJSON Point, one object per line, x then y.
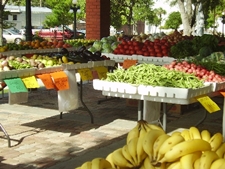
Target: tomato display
{"type": "Point", "coordinates": [156, 48]}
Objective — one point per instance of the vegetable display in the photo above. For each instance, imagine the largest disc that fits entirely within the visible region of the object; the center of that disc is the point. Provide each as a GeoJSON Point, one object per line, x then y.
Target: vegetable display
{"type": "Point", "coordinates": [201, 46]}
{"type": "Point", "coordinates": [199, 71]}
{"type": "Point", "coordinates": [150, 74]}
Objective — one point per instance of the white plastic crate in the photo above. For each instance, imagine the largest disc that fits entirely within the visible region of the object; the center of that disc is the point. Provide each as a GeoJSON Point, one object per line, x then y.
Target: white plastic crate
{"type": "Point", "coordinates": [170, 92]}
{"type": "Point", "coordinates": [114, 87]}
{"type": "Point", "coordinates": [216, 86]}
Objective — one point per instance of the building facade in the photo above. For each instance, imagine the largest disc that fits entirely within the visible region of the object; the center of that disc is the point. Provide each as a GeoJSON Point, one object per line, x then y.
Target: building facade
{"type": "Point", "coordinates": [18, 15]}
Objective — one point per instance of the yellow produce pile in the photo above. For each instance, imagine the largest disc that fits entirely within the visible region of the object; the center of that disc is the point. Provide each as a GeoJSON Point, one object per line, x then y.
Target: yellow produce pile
{"type": "Point", "coordinates": [149, 147]}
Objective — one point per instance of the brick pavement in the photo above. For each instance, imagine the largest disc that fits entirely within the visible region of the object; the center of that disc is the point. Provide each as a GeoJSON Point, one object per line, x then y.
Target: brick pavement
{"type": "Point", "coordinates": [40, 140]}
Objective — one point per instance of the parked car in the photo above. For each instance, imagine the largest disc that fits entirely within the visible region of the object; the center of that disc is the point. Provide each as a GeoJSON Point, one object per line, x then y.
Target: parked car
{"type": "Point", "coordinates": [12, 37]}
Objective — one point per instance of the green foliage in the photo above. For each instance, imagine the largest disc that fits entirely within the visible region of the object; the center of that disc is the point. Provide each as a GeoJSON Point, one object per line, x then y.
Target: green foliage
{"type": "Point", "coordinates": [173, 21]}
{"type": "Point", "coordinates": [200, 45]}
{"type": "Point", "coordinates": [60, 13]}
{"type": "Point", "coordinates": [129, 11]}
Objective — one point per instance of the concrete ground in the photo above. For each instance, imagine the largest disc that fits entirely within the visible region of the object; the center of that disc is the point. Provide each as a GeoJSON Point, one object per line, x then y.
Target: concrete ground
{"type": "Point", "coordinates": [41, 140]}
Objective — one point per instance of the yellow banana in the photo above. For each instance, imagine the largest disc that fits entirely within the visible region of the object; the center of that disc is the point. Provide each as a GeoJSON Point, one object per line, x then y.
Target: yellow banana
{"type": "Point", "coordinates": [197, 163]}
{"type": "Point", "coordinates": [221, 150]}
{"type": "Point", "coordinates": [168, 144]}
{"type": "Point", "coordinates": [147, 164]}
{"type": "Point", "coordinates": [146, 126]}
{"type": "Point", "coordinates": [194, 133]}
{"type": "Point", "coordinates": [160, 166]}
{"type": "Point", "coordinates": [185, 147]}
{"type": "Point", "coordinates": [132, 149]}
{"type": "Point", "coordinates": [155, 127]}
{"type": "Point", "coordinates": [133, 132]}
{"type": "Point", "coordinates": [207, 159]}
{"type": "Point", "coordinates": [176, 133]}
{"type": "Point", "coordinates": [157, 144]}
{"type": "Point", "coordinates": [110, 160]}
{"type": "Point", "coordinates": [141, 155]}
{"type": "Point", "coordinates": [149, 140]}
{"type": "Point", "coordinates": [174, 165]}
{"type": "Point", "coordinates": [187, 161]}
{"type": "Point", "coordinates": [100, 163]}
{"type": "Point", "coordinates": [205, 134]}
{"type": "Point", "coordinates": [119, 160]}
{"type": "Point", "coordinates": [127, 155]}
{"type": "Point", "coordinates": [78, 168]}
{"type": "Point", "coordinates": [86, 165]}
{"type": "Point", "coordinates": [186, 134]}
{"type": "Point", "coordinates": [215, 141]}
{"type": "Point", "coordinates": [218, 164]}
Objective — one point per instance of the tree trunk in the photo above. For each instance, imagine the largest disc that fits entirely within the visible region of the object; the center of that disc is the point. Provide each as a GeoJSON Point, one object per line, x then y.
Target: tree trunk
{"type": "Point", "coordinates": [1, 24]}
{"type": "Point", "coordinates": [186, 16]}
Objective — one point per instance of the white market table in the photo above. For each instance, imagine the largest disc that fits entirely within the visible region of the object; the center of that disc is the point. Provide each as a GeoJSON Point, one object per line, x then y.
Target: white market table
{"type": "Point", "coordinates": [158, 95]}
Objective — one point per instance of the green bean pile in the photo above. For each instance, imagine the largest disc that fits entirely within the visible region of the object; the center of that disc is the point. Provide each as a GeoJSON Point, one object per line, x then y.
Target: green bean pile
{"type": "Point", "coordinates": [153, 75]}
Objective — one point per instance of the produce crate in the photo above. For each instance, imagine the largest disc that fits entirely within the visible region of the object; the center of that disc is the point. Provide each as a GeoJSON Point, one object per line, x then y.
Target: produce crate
{"type": "Point", "coordinates": [216, 86]}
{"type": "Point", "coordinates": [172, 92]}
{"type": "Point", "coordinates": [114, 86]}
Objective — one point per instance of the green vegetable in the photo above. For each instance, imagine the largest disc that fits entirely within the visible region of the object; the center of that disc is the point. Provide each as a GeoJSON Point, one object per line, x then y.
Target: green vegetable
{"type": "Point", "coordinates": [150, 74]}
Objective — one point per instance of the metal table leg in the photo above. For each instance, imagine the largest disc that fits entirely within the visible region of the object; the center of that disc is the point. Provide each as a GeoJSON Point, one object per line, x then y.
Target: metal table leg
{"type": "Point", "coordinates": [81, 99]}
{"type": "Point", "coordinates": [164, 116]}
{"type": "Point", "coordinates": [6, 134]}
{"type": "Point", "coordinates": [140, 109]}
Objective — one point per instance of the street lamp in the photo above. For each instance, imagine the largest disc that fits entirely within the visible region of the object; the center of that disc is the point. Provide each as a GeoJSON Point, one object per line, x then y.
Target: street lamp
{"type": "Point", "coordinates": [223, 22]}
{"type": "Point", "coordinates": [74, 8]}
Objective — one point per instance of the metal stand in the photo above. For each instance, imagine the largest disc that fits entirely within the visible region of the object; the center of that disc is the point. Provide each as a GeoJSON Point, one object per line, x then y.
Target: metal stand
{"type": "Point", "coordinates": [82, 102]}
{"type": "Point", "coordinates": [6, 134]}
{"type": "Point", "coordinates": [140, 109]}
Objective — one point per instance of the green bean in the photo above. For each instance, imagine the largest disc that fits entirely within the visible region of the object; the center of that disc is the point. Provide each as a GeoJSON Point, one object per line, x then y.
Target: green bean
{"type": "Point", "coordinates": [150, 74]}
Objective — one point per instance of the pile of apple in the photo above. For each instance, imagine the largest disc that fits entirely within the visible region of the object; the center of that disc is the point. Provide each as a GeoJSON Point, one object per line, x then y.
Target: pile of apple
{"type": "Point", "coordinates": [198, 70]}
{"type": "Point", "coordinates": [156, 48]}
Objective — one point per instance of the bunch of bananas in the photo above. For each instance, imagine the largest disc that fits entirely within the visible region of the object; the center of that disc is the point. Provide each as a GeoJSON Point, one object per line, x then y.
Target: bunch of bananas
{"type": "Point", "coordinates": [96, 163]}
{"type": "Point", "coordinates": [149, 147]}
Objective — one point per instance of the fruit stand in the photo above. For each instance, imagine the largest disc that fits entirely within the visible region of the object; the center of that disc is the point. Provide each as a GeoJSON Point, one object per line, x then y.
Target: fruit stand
{"type": "Point", "coordinates": [63, 78]}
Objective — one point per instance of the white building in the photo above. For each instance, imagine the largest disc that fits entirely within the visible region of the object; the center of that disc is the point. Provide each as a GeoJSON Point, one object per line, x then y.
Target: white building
{"type": "Point", "coordinates": [38, 15]}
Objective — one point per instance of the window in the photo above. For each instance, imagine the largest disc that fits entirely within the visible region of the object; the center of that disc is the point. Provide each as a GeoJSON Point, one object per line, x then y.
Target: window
{"type": "Point", "coordinates": [15, 17]}
{"type": "Point", "coordinates": [6, 17]}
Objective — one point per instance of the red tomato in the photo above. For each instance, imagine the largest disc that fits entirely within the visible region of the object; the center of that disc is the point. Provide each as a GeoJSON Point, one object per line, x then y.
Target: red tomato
{"type": "Point", "coordinates": [122, 51]}
{"type": "Point", "coordinates": [159, 54]}
{"type": "Point", "coordinates": [146, 53]}
{"type": "Point", "coordinates": [125, 46]}
{"type": "Point", "coordinates": [136, 48]}
{"type": "Point", "coordinates": [139, 52]}
{"type": "Point", "coordinates": [129, 42]}
{"type": "Point", "coordinates": [157, 40]}
{"type": "Point", "coordinates": [131, 47]}
{"type": "Point", "coordinates": [135, 43]}
{"type": "Point", "coordinates": [132, 52]}
{"type": "Point", "coordinates": [124, 42]}
{"type": "Point", "coordinates": [152, 54]}
{"type": "Point", "coordinates": [120, 46]}
{"type": "Point", "coordinates": [151, 49]}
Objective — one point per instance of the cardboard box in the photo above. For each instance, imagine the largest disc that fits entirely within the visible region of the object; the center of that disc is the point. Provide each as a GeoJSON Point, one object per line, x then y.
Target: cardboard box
{"type": "Point", "coordinates": [132, 102]}
{"type": "Point", "coordinates": [179, 109]}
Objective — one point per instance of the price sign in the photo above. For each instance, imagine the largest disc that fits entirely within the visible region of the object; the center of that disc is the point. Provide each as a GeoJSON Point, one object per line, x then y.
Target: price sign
{"type": "Point", "coordinates": [208, 104]}
{"type": "Point", "coordinates": [60, 80]}
{"type": "Point", "coordinates": [30, 82]}
{"type": "Point", "coordinates": [85, 74]}
{"type": "Point", "coordinates": [102, 72]}
{"type": "Point", "coordinates": [128, 63]}
{"type": "Point", "coordinates": [16, 85]}
{"type": "Point", "coordinates": [47, 81]}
